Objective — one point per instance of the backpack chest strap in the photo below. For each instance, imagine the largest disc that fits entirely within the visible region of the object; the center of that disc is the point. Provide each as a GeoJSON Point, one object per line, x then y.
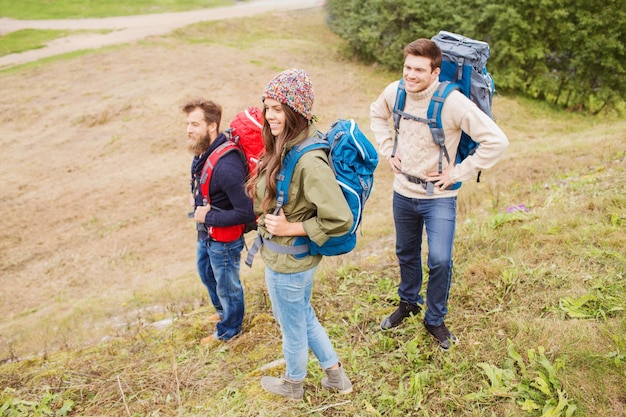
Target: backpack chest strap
{"type": "Point", "coordinates": [404, 115]}
{"type": "Point", "coordinates": [295, 250]}
{"type": "Point", "coordinates": [433, 117]}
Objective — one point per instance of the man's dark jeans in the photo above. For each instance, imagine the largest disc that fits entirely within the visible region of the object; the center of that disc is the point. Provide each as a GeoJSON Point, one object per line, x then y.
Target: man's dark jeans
{"type": "Point", "coordinates": [438, 216]}
{"type": "Point", "coordinates": [218, 267]}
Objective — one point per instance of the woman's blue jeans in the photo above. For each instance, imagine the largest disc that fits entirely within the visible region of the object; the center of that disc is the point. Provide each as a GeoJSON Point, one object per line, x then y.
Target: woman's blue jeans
{"type": "Point", "coordinates": [218, 267]}
{"type": "Point", "coordinates": [291, 304]}
{"type": "Point", "coordinates": [438, 215]}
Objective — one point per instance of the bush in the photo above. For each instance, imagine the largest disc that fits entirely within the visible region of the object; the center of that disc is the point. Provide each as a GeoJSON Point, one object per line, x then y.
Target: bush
{"type": "Point", "coordinates": [570, 53]}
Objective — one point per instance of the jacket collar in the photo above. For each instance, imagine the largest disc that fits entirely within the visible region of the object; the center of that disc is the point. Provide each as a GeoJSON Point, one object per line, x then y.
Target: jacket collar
{"type": "Point", "coordinates": [295, 141]}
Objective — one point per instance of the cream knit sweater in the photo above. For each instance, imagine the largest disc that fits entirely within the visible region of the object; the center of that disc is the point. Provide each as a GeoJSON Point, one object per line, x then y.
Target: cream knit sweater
{"type": "Point", "coordinates": [417, 150]}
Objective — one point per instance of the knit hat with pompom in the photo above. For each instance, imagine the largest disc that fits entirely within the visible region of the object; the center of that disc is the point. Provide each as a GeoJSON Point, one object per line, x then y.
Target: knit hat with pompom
{"type": "Point", "coordinates": [292, 87]}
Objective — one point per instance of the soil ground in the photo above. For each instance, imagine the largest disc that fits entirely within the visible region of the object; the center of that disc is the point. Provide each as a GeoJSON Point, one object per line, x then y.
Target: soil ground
{"type": "Point", "coordinates": [94, 231]}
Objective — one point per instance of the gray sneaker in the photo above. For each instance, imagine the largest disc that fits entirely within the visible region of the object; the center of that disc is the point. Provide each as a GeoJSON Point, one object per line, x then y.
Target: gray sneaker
{"type": "Point", "coordinates": [281, 386]}
{"type": "Point", "coordinates": [442, 334]}
{"type": "Point", "coordinates": [403, 311]}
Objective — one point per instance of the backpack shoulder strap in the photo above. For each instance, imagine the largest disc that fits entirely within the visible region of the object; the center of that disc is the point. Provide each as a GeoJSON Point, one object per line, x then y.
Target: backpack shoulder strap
{"type": "Point", "coordinates": [289, 165]}
{"type": "Point", "coordinates": [300, 247]}
{"type": "Point", "coordinates": [209, 165]}
{"type": "Point", "coordinates": [436, 105]}
{"type": "Point", "coordinates": [398, 107]}
{"type": "Point", "coordinates": [434, 116]}
{"type": "Point", "coordinates": [399, 114]}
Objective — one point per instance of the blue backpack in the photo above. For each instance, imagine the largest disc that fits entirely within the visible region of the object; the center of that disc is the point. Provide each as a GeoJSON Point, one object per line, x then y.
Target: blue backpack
{"type": "Point", "coordinates": [353, 160]}
{"type": "Point", "coordinates": [463, 68]}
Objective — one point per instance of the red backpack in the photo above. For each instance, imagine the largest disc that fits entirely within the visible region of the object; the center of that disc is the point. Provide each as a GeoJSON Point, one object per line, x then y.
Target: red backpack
{"type": "Point", "coordinates": [245, 131]}
{"type": "Point", "coordinates": [244, 136]}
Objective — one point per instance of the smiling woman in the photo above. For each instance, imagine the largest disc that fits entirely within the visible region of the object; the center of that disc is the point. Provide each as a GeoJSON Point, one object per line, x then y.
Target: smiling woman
{"type": "Point", "coordinates": [77, 9]}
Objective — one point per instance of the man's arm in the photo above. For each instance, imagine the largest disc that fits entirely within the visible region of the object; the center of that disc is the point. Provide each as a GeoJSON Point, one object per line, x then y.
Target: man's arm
{"type": "Point", "coordinates": [230, 205]}
{"type": "Point", "coordinates": [470, 119]}
{"type": "Point", "coordinates": [380, 113]}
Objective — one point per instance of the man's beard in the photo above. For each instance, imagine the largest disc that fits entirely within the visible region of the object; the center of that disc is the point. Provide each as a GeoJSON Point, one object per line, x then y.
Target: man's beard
{"type": "Point", "coordinates": [198, 147]}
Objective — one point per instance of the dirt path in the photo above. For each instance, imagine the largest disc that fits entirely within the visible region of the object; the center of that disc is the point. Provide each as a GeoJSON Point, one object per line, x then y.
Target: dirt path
{"type": "Point", "coordinates": [127, 29]}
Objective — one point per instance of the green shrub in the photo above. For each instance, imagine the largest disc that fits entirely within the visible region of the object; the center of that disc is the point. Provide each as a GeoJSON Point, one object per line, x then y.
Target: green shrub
{"type": "Point", "coordinates": [570, 53]}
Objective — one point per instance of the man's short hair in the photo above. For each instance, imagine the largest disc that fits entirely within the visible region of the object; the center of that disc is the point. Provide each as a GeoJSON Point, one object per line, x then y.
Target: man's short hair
{"type": "Point", "coordinates": [212, 111]}
{"type": "Point", "coordinates": [426, 48]}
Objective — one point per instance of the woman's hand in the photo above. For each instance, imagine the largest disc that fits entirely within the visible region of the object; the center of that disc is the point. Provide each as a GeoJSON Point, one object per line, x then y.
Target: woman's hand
{"type": "Point", "coordinates": [278, 225]}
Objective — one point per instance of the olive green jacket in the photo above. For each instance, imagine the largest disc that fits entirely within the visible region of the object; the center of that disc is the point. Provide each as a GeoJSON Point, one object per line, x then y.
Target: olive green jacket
{"type": "Point", "coordinates": [315, 199]}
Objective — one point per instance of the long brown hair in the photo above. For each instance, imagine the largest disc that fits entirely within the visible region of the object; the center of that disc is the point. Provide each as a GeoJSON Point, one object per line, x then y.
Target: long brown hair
{"type": "Point", "coordinates": [271, 161]}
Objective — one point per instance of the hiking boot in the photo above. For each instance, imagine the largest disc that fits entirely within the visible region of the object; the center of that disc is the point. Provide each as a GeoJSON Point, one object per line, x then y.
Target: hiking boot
{"type": "Point", "coordinates": [404, 310]}
{"type": "Point", "coordinates": [214, 318]}
{"type": "Point", "coordinates": [442, 334]}
{"type": "Point", "coordinates": [337, 380]}
{"type": "Point", "coordinates": [281, 386]}
{"type": "Point", "coordinates": [211, 341]}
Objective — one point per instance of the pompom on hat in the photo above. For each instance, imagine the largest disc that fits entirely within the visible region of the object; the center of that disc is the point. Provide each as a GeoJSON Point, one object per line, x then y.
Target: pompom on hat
{"type": "Point", "coordinates": [292, 87]}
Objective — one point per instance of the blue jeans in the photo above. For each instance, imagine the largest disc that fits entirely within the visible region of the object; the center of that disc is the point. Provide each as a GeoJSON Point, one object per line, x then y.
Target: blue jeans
{"type": "Point", "coordinates": [438, 215]}
{"type": "Point", "coordinates": [291, 304]}
{"type": "Point", "coordinates": [218, 267]}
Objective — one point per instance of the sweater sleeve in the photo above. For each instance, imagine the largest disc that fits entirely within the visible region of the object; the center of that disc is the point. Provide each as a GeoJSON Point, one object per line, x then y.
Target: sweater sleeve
{"type": "Point", "coordinates": [381, 111]}
{"type": "Point", "coordinates": [493, 142]}
{"type": "Point", "coordinates": [230, 205]}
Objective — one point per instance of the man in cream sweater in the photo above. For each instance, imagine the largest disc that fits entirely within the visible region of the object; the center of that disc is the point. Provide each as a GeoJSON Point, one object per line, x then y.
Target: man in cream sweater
{"type": "Point", "coordinates": [421, 197]}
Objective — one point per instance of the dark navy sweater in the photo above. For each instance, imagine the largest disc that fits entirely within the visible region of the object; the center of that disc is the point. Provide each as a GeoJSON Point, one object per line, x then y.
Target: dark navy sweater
{"type": "Point", "coordinates": [229, 203]}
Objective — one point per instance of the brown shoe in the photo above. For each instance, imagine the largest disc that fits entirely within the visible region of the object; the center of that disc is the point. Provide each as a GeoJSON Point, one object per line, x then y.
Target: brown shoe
{"type": "Point", "coordinates": [210, 341]}
{"type": "Point", "coordinates": [214, 318]}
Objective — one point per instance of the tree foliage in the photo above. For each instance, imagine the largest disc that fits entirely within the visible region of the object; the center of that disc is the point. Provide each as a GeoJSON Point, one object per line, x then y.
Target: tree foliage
{"type": "Point", "coordinates": [568, 52]}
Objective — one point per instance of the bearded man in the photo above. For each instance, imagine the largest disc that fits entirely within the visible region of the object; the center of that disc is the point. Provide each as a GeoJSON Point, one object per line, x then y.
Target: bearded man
{"type": "Point", "coordinates": [220, 212]}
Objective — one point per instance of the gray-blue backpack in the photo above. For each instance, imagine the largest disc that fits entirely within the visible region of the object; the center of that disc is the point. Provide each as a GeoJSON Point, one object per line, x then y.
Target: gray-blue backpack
{"type": "Point", "coordinates": [353, 159]}
{"type": "Point", "coordinates": [463, 68]}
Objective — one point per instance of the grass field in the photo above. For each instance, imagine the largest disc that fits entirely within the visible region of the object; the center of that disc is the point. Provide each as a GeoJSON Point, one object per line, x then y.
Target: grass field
{"type": "Point", "coordinates": [24, 40]}
{"type": "Point", "coordinates": [105, 317]}
{"type": "Point", "coordinates": [79, 9]}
